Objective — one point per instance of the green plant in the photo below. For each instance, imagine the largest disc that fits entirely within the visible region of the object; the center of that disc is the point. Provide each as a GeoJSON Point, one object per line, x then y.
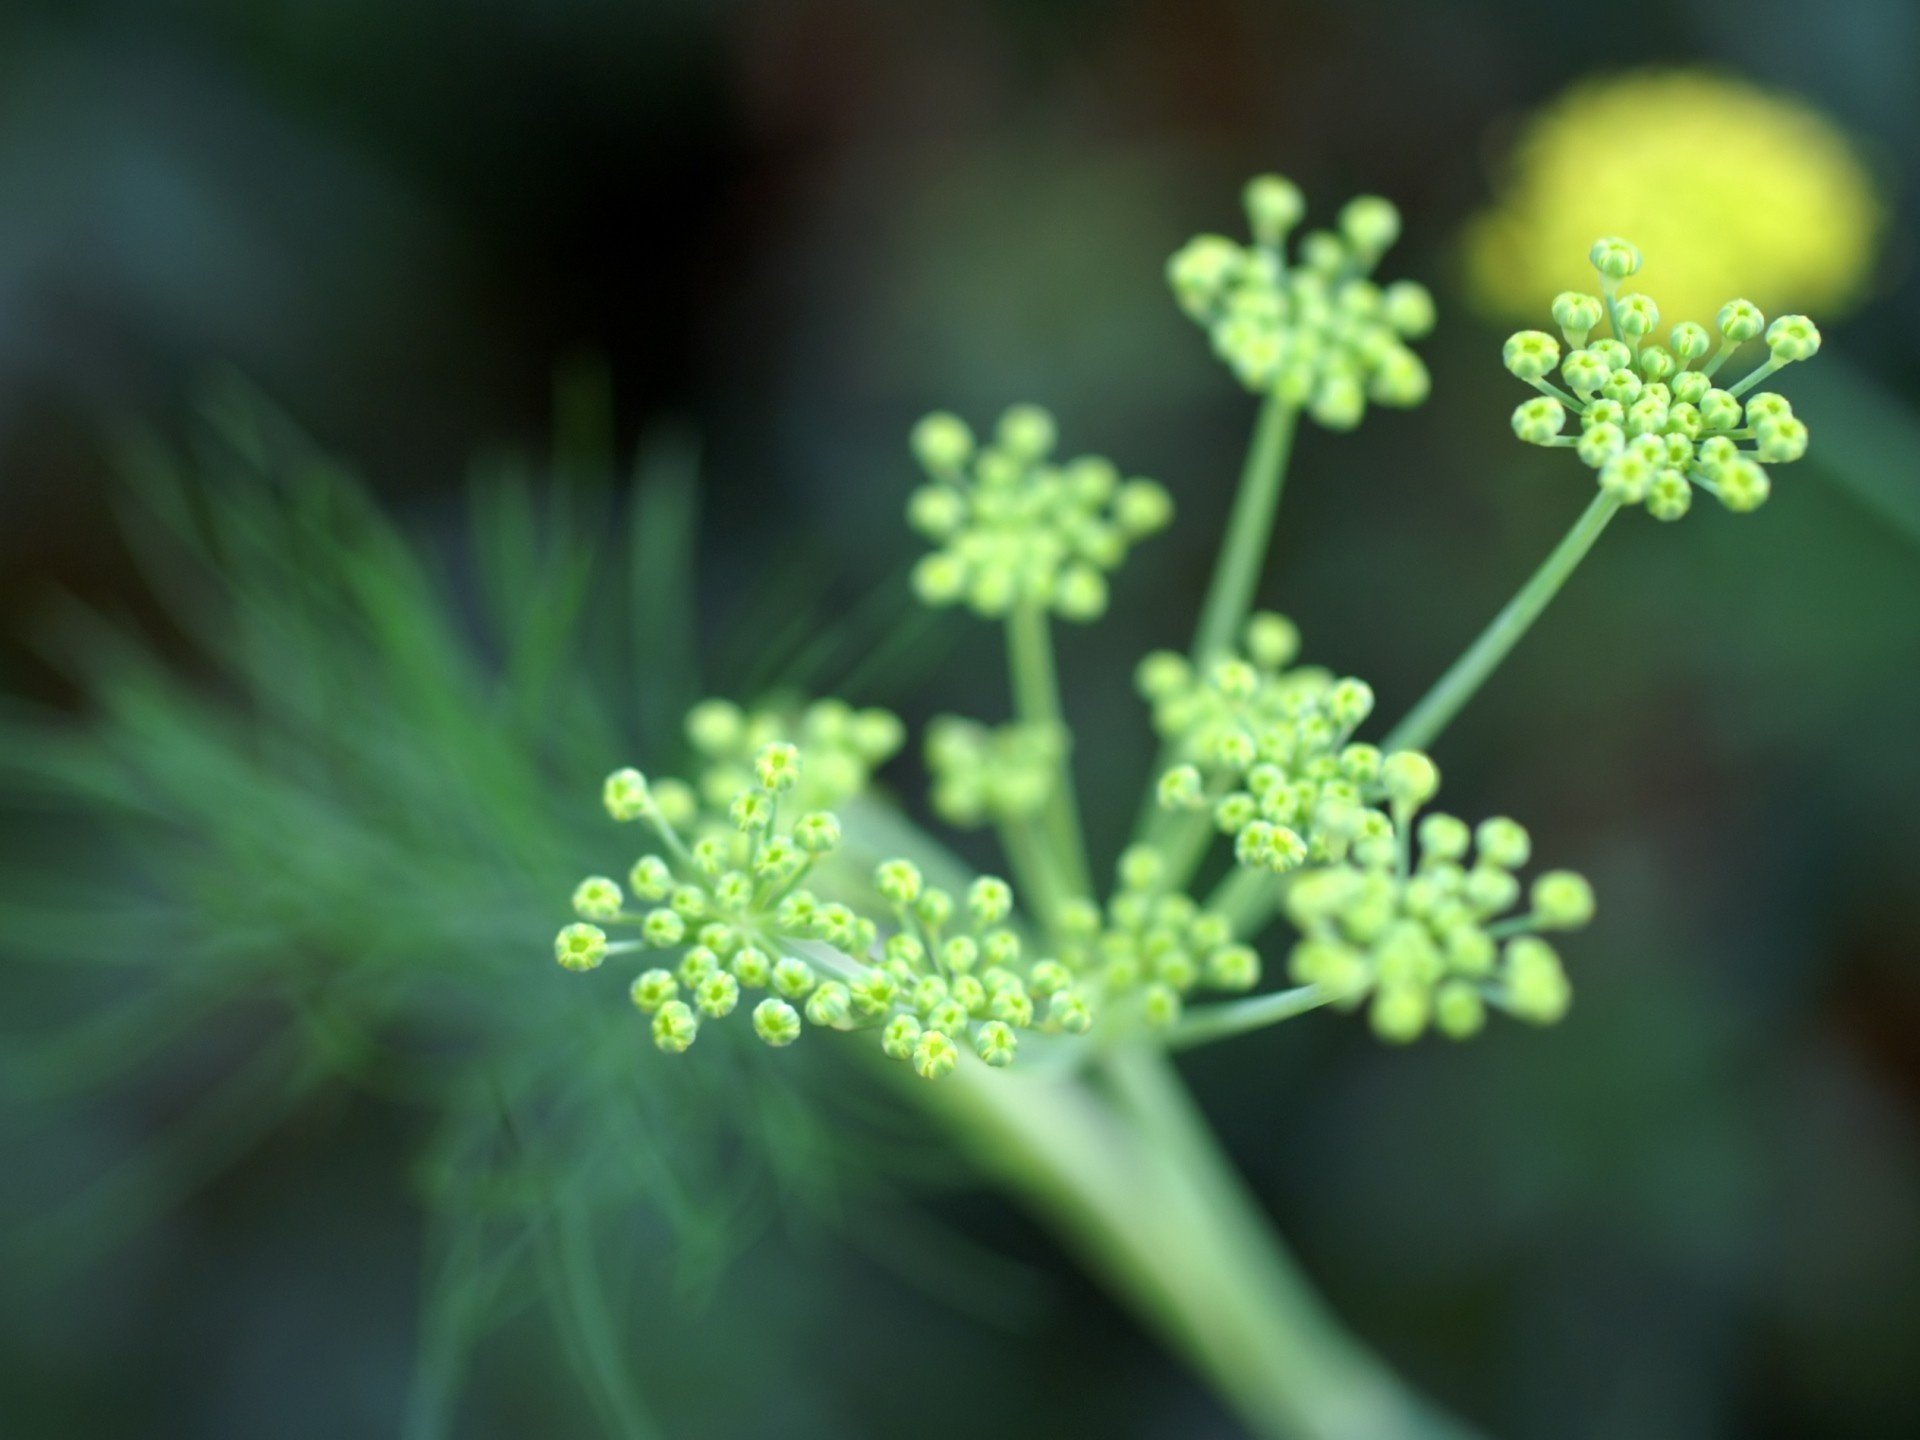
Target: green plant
{"type": "Point", "coordinates": [329, 842]}
{"type": "Point", "coordinates": [778, 868]}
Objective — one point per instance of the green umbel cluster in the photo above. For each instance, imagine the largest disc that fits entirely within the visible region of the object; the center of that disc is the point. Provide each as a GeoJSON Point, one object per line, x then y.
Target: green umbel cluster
{"type": "Point", "coordinates": [1428, 935]}
{"type": "Point", "coordinates": [1262, 747]}
{"type": "Point", "coordinates": [1653, 422]}
{"type": "Point", "coordinates": [986, 774]}
{"type": "Point", "coordinates": [729, 903]}
{"type": "Point", "coordinates": [841, 746]}
{"type": "Point", "coordinates": [1153, 945]}
{"type": "Point", "coordinates": [1314, 330]}
{"type": "Point", "coordinates": [1014, 528]}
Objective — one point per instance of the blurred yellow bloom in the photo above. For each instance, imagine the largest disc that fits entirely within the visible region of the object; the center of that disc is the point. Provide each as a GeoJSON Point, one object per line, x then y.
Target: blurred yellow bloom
{"type": "Point", "coordinates": [1728, 189]}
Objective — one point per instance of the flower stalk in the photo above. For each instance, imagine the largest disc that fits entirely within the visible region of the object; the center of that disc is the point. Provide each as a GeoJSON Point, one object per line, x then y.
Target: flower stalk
{"type": "Point", "coordinates": [1424, 723]}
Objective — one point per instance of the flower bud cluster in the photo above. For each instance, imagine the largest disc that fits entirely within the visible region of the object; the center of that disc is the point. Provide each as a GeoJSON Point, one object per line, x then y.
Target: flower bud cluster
{"type": "Point", "coordinates": [1264, 748]}
{"type": "Point", "coordinates": [840, 748]}
{"type": "Point", "coordinates": [989, 774]}
{"type": "Point", "coordinates": [1313, 329]}
{"type": "Point", "coordinates": [728, 909]}
{"type": "Point", "coordinates": [1653, 422]}
{"type": "Point", "coordinates": [1013, 527]}
{"type": "Point", "coordinates": [1433, 940]}
{"type": "Point", "coordinates": [1152, 945]}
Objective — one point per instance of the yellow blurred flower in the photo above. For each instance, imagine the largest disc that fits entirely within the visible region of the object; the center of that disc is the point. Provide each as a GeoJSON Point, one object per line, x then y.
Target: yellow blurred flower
{"type": "Point", "coordinates": [1729, 189]}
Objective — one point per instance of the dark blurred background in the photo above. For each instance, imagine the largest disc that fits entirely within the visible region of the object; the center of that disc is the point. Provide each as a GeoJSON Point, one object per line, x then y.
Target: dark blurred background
{"type": "Point", "coordinates": [788, 227]}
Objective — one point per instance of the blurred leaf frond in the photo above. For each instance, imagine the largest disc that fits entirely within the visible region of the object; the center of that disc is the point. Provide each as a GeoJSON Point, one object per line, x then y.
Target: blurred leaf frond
{"type": "Point", "coordinates": [317, 829]}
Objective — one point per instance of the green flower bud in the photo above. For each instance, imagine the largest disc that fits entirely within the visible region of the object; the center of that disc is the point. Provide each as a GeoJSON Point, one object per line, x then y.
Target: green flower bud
{"type": "Point", "coordinates": [1265, 846]}
{"type": "Point", "coordinates": [1691, 386]}
{"type": "Point", "coordinates": [1339, 402]}
{"type": "Point", "coordinates": [831, 1005]}
{"type": "Point", "coordinates": [717, 995]}
{"type": "Point", "coordinates": [1780, 443]}
{"type": "Point", "coordinates": [1410, 778]}
{"type": "Point", "coordinates": [663, 929]}
{"type": "Point", "coordinates": [793, 978]}
{"type": "Point", "coordinates": [752, 967]}
{"type": "Point", "coordinates": [934, 907]}
{"type": "Point", "coordinates": [714, 727]}
{"type": "Point", "coordinates": [1490, 890]}
{"type": "Point", "coordinates": [1027, 432]}
{"type": "Point", "coordinates": [1614, 258]}
{"type": "Point", "coordinates": [696, 965]}
{"type": "Point", "coordinates": [1562, 900]}
{"type": "Point", "coordinates": [625, 794]}
{"type": "Point", "coordinates": [934, 1055]}
{"type": "Point", "coordinates": [1081, 594]}
{"type": "Point", "coordinates": [1233, 967]}
{"type": "Point", "coordinates": [689, 902]}
{"type": "Point", "coordinates": [1407, 307]}
{"type": "Point", "coordinates": [1654, 362]}
{"type": "Point", "coordinates": [1744, 486]}
{"type": "Point", "coordinates": [1626, 477]}
{"type": "Point", "coordinates": [1349, 702]}
{"type": "Point", "coordinates": [1537, 989]}
{"type": "Point", "coordinates": [776, 1022]}
{"type": "Point", "coordinates": [960, 953]}
{"type": "Point", "coordinates": [1689, 342]}
{"type": "Point", "coordinates": [995, 1043]}
{"type": "Point", "coordinates": [1503, 842]}
{"type": "Point", "coordinates": [1181, 789]}
{"type": "Point", "coordinates": [1201, 270]}
{"type": "Point", "coordinates": [597, 898]}
{"type": "Point", "coordinates": [1458, 1011]}
{"type": "Point", "coordinates": [1636, 315]}
{"type": "Point", "coordinates": [674, 1027]}
{"type": "Point", "coordinates": [1623, 386]}
{"type": "Point", "coordinates": [1160, 1005]}
{"type": "Point", "coordinates": [1399, 1013]}
{"type": "Point", "coordinates": [777, 766]}
{"type": "Point", "coordinates": [989, 900]}
{"type": "Point", "coordinates": [1740, 320]}
{"type": "Point", "coordinates": [1068, 1011]}
{"type": "Point", "coordinates": [1599, 444]}
{"type": "Point", "coordinates": [1585, 371]}
{"type": "Point", "coordinates": [1443, 837]}
{"type": "Point", "coordinates": [940, 579]}
{"type": "Point", "coordinates": [898, 881]}
{"type": "Point", "coordinates": [1142, 507]}
{"type": "Point", "coordinates": [650, 879]}
{"type": "Point", "coordinates": [1539, 420]}
{"type": "Point", "coordinates": [651, 989]}
{"type": "Point", "coordinates": [1274, 206]}
{"type": "Point", "coordinates": [898, 1037]}
{"type": "Point", "coordinates": [1530, 354]}
{"type": "Point", "coordinates": [942, 443]}
{"type": "Point", "coordinates": [1576, 314]}
{"type": "Point", "coordinates": [1669, 496]}
{"type": "Point", "coordinates": [1048, 977]}
{"type": "Point", "coordinates": [751, 810]}
{"type": "Point", "coordinates": [1370, 224]}
{"type": "Point", "coordinates": [1793, 337]}
{"type": "Point", "coordinates": [817, 832]}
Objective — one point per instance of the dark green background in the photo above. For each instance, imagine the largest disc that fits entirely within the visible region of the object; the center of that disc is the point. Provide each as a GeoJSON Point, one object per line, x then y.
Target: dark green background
{"type": "Point", "coordinates": [787, 229]}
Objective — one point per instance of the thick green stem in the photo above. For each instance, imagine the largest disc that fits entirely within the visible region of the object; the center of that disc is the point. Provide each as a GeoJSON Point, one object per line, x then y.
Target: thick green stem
{"type": "Point", "coordinates": [1138, 1186]}
{"type": "Point", "coordinates": [1237, 572]}
{"type": "Point", "coordinates": [1466, 675]}
{"type": "Point", "coordinates": [1036, 701]}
